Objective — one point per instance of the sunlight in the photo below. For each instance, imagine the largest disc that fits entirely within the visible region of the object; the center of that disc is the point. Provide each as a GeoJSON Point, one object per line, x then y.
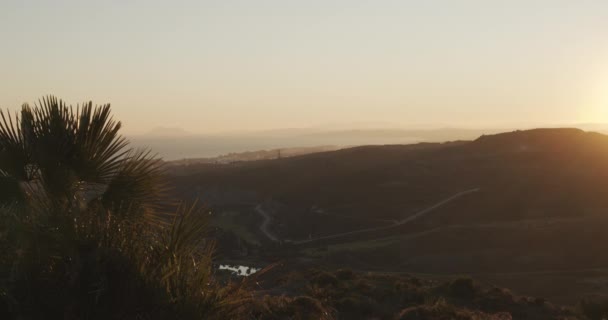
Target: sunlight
{"type": "Point", "coordinates": [602, 113]}
{"type": "Point", "coordinates": [597, 104]}
{"type": "Point", "coordinates": [596, 114]}
{"type": "Point", "coordinates": [600, 110]}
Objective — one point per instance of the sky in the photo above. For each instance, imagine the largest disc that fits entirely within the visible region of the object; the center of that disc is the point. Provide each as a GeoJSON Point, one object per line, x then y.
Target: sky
{"type": "Point", "coordinates": [215, 66]}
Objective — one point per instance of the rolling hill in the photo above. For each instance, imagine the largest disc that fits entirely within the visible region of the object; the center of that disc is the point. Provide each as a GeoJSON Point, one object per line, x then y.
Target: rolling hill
{"type": "Point", "coordinates": [521, 175]}
{"type": "Point", "coordinates": [540, 197]}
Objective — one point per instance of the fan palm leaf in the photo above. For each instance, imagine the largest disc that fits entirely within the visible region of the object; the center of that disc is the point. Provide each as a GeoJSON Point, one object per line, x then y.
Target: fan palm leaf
{"type": "Point", "coordinates": [66, 151]}
{"type": "Point", "coordinates": [14, 158]}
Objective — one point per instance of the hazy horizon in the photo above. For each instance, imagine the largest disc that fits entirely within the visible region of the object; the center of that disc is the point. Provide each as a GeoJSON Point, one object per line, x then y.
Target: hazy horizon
{"type": "Point", "coordinates": [177, 144]}
{"type": "Point", "coordinates": [166, 131]}
{"type": "Point", "coordinates": [213, 66]}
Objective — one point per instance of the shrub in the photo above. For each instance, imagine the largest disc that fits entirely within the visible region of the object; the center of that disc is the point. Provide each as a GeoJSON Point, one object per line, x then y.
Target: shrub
{"type": "Point", "coordinates": [356, 305]}
{"type": "Point", "coordinates": [345, 274]}
{"type": "Point", "coordinates": [463, 288]}
{"type": "Point", "coordinates": [324, 279]}
{"type": "Point", "coordinates": [595, 308]}
{"type": "Point", "coordinates": [440, 310]}
{"type": "Point", "coordinates": [301, 307]}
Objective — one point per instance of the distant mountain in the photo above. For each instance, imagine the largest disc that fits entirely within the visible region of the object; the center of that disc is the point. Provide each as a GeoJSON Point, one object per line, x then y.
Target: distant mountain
{"type": "Point", "coordinates": [597, 127]}
{"type": "Point", "coordinates": [253, 156]}
{"type": "Point", "coordinates": [168, 132]}
{"type": "Point", "coordinates": [543, 140]}
{"type": "Point", "coordinates": [163, 140]}
{"type": "Point", "coordinates": [366, 125]}
{"type": "Point", "coordinates": [179, 144]}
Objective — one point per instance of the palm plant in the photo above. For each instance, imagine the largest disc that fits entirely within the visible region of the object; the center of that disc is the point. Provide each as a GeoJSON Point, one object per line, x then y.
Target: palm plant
{"type": "Point", "coordinates": [60, 152]}
{"type": "Point", "coordinates": [85, 223]}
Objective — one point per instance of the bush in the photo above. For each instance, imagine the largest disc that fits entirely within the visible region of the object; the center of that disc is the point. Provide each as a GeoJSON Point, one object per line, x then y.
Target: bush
{"type": "Point", "coordinates": [302, 307]}
{"type": "Point", "coordinates": [464, 288]}
{"type": "Point", "coordinates": [497, 299]}
{"type": "Point", "coordinates": [324, 279]}
{"type": "Point", "coordinates": [345, 274]}
{"type": "Point", "coordinates": [441, 310]}
{"type": "Point", "coordinates": [357, 306]}
{"type": "Point", "coordinates": [595, 308]}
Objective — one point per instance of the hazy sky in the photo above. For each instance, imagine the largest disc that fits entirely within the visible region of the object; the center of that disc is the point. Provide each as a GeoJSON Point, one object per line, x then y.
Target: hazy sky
{"type": "Point", "coordinates": [234, 65]}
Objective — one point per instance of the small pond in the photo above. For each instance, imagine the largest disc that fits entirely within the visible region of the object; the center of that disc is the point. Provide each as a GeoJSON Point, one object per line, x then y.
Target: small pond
{"type": "Point", "coordinates": [243, 271]}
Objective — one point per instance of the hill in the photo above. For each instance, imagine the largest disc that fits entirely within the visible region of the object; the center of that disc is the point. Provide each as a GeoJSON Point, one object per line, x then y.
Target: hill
{"type": "Point", "coordinates": [540, 199]}
{"type": "Point", "coordinates": [175, 144]}
{"type": "Point", "coordinates": [252, 156]}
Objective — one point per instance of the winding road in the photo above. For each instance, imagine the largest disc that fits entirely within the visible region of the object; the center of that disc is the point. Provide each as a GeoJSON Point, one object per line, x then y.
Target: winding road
{"type": "Point", "coordinates": [266, 223]}
{"type": "Point", "coordinates": [267, 220]}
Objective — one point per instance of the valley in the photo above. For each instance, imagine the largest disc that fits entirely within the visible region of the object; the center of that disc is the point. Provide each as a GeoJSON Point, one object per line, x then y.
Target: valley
{"type": "Point", "coordinates": [512, 209]}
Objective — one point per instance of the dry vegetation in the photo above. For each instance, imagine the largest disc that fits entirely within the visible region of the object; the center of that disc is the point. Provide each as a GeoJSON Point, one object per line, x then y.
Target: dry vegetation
{"type": "Point", "coordinates": [345, 294]}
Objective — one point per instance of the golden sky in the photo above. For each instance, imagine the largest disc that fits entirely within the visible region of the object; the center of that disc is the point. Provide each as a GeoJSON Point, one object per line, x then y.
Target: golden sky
{"type": "Point", "coordinates": [209, 66]}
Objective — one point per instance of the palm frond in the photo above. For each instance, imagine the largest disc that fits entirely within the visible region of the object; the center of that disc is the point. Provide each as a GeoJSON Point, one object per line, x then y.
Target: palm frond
{"type": "Point", "coordinates": [187, 233]}
{"type": "Point", "coordinates": [49, 136]}
{"type": "Point", "coordinates": [140, 181]}
{"type": "Point", "coordinates": [101, 149]}
{"type": "Point", "coordinates": [73, 144]}
{"type": "Point", "coordinates": [14, 156]}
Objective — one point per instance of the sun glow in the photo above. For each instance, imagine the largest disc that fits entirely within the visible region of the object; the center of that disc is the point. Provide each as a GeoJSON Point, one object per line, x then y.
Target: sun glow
{"type": "Point", "coordinates": [596, 110]}
{"type": "Point", "coordinates": [599, 111]}
{"type": "Point", "coordinates": [600, 115]}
